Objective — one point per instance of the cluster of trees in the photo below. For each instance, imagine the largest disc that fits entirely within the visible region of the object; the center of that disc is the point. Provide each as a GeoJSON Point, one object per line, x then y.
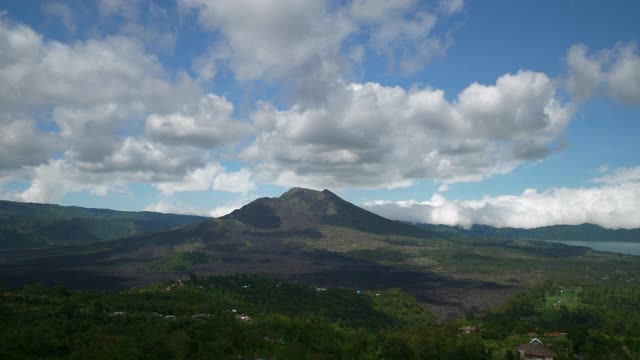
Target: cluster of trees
{"type": "Point", "coordinates": [225, 317]}
{"type": "Point", "coordinates": [583, 232]}
{"type": "Point", "coordinates": [603, 324]}
{"type": "Point", "coordinates": [247, 316]}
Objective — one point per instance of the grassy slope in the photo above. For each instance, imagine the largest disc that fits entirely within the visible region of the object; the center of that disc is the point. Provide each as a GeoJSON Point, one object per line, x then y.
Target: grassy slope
{"type": "Point", "coordinates": [514, 262]}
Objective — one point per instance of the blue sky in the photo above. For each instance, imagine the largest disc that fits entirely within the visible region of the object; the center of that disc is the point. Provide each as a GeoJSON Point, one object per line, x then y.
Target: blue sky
{"type": "Point", "coordinates": [435, 111]}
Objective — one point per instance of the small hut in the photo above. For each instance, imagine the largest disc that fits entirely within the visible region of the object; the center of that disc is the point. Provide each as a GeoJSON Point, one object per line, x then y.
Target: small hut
{"type": "Point", "coordinates": [535, 350]}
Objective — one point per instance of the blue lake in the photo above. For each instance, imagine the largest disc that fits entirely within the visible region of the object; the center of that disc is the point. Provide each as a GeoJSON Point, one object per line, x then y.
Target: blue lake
{"type": "Point", "coordinates": [631, 248]}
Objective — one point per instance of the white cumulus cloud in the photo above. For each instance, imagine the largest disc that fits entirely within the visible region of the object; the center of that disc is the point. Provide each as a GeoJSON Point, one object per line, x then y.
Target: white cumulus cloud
{"type": "Point", "coordinates": [615, 204]}
{"type": "Point", "coordinates": [369, 135]}
{"type": "Point", "coordinates": [621, 175]}
{"type": "Point", "coordinates": [212, 176]}
{"type": "Point", "coordinates": [96, 96]}
{"type": "Point", "coordinates": [208, 124]}
{"type": "Point", "coordinates": [304, 42]}
{"type": "Point", "coordinates": [171, 206]}
{"type": "Point", "coordinates": [614, 73]}
{"type": "Point", "coordinates": [167, 168]}
{"type": "Point", "coordinates": [269, 38]}
{"type": "Point", "coordinates": [23, 145]}
{"type": "Point", "coordinates": [230, 206]}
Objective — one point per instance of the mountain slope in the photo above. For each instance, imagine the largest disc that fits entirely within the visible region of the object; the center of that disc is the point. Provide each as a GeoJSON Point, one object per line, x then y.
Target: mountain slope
{"type": "Point", "coordinates": [583, 232]}
{"type": "Point", "coordinates": [305, 236]}
{"type": "Point", "coordinates": [301, 208]}
{"type": "Point", "coordinates": [316, 238]}
{"type": "Point", "coordinates": [31, 225]}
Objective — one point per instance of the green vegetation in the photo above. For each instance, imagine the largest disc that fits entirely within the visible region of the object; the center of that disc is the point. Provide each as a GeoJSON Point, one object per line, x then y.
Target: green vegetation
{"type": "Point", "coordinates": [400, 306]}
{"type": "Point", "coordinates": [512, 262]}
{"type": "Point", "coordinates": [601, 323]}
{"type": "Point", "coordinates": [219, 317]}
{"type": "Point", "coordinates": [181, 261]}
{"type": "Point", "coordinates": [558, 298]}
{"type": "Point", "coordinates": [317, 238]}
{"type": "Point", "coordinates": [248, 316]}
{"type": "Point", "coordinates": [583, 232]}
{"type": "Point", "coordinates": [29, 225]}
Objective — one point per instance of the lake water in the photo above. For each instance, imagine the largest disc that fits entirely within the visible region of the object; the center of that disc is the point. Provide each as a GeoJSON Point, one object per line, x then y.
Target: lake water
{"type": "Point", "coordinates": [631, 248]}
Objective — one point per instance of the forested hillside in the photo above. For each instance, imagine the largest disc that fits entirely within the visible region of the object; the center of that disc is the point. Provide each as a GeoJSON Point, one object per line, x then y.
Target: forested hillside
{"type": "Point", "coordinates": [250, 317]}
{"type": "Point", "coordinates": [583, 232]}
{"type": "Point", "coordinates": [30, 225]}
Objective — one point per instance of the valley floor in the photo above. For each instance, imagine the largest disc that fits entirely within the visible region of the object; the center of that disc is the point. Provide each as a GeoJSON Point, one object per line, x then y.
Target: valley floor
{"type": "Point", "coordinates": [451, 277]}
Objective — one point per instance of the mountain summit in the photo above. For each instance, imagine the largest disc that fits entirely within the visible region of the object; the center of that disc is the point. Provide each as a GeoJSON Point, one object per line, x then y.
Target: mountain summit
{"type": "Point", "coordinates": [304, 208]}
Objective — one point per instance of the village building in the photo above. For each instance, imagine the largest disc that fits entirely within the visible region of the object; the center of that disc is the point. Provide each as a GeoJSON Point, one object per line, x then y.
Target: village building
{"type": "Point", "coordinates": [535, 350]}
{"type": "Point", "coordinates": [555, 334]}
{"type": "Point", "coordinates": [195, 316]}
{"type": "Point", "coordinates": [244, 317]}
{"type": "Point", "coordinates": [468, 329]}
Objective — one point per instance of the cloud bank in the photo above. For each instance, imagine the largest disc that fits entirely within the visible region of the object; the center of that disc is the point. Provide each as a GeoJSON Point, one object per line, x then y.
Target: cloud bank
{"type": "Point", "coordinates": [614, 204]}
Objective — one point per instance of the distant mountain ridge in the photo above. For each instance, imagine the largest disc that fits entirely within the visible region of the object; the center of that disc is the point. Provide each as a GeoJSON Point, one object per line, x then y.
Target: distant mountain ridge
{"type": "Point", "coordinates": [32, 225]}
{"type": "Point", "coordinates": [301, 208]}
{"type": "Point", "coordinates": [303, 236]}
{"type": "Point", "coordinates": [582, 232]}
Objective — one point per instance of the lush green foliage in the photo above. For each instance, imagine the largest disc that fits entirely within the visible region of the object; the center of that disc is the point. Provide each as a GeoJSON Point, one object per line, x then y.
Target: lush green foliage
{"type": "Point", "coordinates": [202, 318]}
{"type": "Point", "coordinates": [27, 225]}
{"type": "Point", "coordinates": [246, 316]}
{"type": "Point", "coordinates": [507, 261]}
{"type": "Point", "coordinates": [599, 322]}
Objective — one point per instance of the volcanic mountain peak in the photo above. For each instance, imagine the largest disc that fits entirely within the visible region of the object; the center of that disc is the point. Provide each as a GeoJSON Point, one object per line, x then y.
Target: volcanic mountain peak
{"type": "Point", "coordinates": [313, 201]}
{"type": "Point", "coordinates": [308, 195]}
{"type": "Point", "coordinates": [305, 208]}
{"type": "Point", "coordinates": [296, 208]}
